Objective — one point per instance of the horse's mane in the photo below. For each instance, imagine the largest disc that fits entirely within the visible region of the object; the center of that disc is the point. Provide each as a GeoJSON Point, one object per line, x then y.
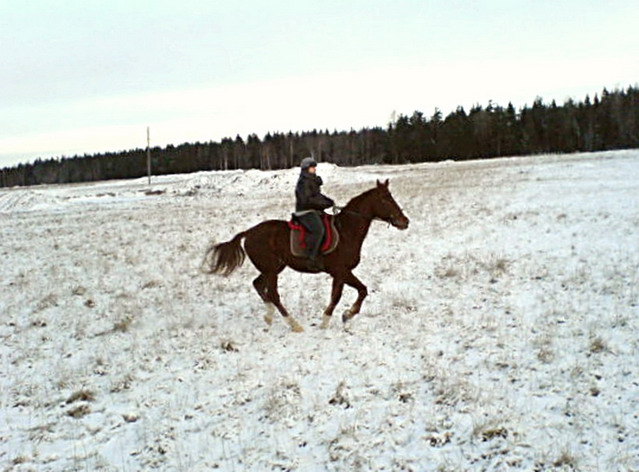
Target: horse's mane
{"type": "Point", "coordinates": [358, 198]}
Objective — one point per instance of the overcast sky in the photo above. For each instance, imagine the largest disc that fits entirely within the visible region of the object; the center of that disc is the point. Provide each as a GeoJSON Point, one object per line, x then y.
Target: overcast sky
{"type": "Point", "coordinates": [87, 76]}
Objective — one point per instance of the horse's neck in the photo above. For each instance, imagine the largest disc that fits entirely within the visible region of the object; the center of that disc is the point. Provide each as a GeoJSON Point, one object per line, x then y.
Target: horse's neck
{"type": "Point", "coordinates": [355, 221]}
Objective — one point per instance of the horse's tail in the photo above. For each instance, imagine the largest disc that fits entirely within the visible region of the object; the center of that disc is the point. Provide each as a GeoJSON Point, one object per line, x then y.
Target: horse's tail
{"type": "Point", "coordinates": [224, 258]}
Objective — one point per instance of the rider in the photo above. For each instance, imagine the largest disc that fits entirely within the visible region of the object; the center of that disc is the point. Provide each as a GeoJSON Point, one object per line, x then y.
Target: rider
{"type": "Point", "coordinates": [309, 204]}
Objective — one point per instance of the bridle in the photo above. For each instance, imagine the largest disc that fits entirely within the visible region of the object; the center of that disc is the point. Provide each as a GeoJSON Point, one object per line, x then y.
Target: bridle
{"type": "Point", "coordinates": [338, 209]}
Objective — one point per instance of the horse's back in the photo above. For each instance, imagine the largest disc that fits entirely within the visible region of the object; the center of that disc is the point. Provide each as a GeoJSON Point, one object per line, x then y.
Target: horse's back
{"type": "Point", "coordinates": [267, 243]}
{"type": "Point", "coordinates": [269, 226]}
{"type": "Point", "coordinates": [264, 231]}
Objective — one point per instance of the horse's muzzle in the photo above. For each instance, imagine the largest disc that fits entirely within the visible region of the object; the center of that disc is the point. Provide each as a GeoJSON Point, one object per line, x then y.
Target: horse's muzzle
{"type": "Point", "coordinates": [400, 223]}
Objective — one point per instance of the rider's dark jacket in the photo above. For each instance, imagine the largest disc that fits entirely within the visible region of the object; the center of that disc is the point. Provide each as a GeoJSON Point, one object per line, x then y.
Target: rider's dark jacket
{"type": "Point", "coordinates": [308, 195]}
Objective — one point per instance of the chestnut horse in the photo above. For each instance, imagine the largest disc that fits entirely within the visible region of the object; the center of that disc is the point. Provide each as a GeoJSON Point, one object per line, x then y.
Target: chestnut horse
{"type": "Point", "coordinates": [268, 247]}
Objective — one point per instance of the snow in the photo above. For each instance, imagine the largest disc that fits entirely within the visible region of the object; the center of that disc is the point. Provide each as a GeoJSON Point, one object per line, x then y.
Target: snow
{"type": "Point", "coordinates": [500, 331]}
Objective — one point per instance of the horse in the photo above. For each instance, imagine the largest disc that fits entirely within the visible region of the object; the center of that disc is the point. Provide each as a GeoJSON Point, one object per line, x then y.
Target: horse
{"type": "Point", "coordinates": [267, 246]}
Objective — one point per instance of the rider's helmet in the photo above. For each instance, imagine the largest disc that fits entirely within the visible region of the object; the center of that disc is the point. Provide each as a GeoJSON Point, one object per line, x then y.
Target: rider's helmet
{"type": "Point", "coordinates": [308, 162]}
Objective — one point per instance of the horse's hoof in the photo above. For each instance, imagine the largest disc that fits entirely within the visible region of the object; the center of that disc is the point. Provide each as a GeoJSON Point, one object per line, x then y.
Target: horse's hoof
{"type": "Point", "coordinates": [268, 317]}
{"type": "Point", "coordinates": [295, 326]}
{"type": "Point", "coordinates": [347, 316]}
{"type": "Point", "coordinates": [325, 322]}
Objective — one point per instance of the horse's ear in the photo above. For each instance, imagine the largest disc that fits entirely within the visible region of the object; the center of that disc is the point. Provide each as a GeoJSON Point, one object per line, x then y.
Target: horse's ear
{"type": "Point", "coordinates": [386, 183]}
{"type": "Point", "coordinates": [379, 184]}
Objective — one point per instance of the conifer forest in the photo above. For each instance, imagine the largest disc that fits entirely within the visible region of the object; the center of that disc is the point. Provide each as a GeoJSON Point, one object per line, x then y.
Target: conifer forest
{"type": "Point", "coordinates": [606, 121]}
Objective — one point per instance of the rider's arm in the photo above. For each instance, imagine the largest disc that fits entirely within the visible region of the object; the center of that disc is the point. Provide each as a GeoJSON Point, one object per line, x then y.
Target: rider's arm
{"type": "Point", "coordinates": [315, 199]}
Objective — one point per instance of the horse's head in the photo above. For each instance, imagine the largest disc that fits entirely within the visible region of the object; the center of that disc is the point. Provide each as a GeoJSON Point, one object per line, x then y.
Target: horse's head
{"type": "Point", "coordinates": [386, 208]}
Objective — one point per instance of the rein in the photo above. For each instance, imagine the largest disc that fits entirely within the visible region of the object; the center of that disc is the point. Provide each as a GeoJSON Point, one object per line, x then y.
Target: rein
{"type": "Point", "coordinates": [338, 209]}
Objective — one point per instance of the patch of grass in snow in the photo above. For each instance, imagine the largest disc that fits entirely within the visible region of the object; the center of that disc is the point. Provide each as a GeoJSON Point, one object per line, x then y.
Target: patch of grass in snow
{"type": "Point", "coordinates": [499, 266]}
{"type": "Point", "coordinates": [79, 290]}
{"type": "Point", "coordinates": [21, 459]}
{"type": "Point", "coordinates": [566, 459]}
{"type": "Point", "coordinates": [282, 400]}
{"type": "Point", "coordinates": [491, 433]}
{"type": "Point", "coordinates": [402, 392]}
{"type": "Point", "coordinates": [489, 428]}
{"type": "Point", "coordinates": [449, 267]}
{"type": "Point", "coordinates": [228, 345]}
{"type": "Point", "coordinates": [122, 325]}
{"type": "Point", "coordinates": [545, 354]}
{"type": "Point", "coordinates": [619, 320]}
{"type": "Point", "coordinates": [46, 302]}
{"type": "Point", "coordinates": [41, 432]}
{"type": "Point", "coordinates": [151, 284]}
{"type": "Point", "coordinates": [341, 396]}
{"type": "Point", "coordinates": [597, 345]}
{"type": "Point", "coordinates": [449, 387]}
{"type": "Point", "coordinates": [545, 351]}
{"type": "Point", "coordinates": [436, 439]}
{"type": "Point", "coordinates": [470, 265]}
{"type": "Point", "coordinates": [344, 448]}
{"type": "Point", "coordinates": [122, 383]}
{"type": "Point", "coordinates": [81, 395]}
{"type": "Point", "coordinates": [79, 411]}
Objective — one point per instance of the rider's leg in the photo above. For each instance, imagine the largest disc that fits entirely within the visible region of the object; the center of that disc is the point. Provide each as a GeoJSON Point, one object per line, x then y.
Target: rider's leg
{"type": "Point", "coordinates": [315, 226]}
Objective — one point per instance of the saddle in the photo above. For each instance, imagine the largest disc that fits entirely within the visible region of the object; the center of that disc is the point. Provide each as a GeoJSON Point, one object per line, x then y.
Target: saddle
{"type": "Point", "coordinates": [299, 232]}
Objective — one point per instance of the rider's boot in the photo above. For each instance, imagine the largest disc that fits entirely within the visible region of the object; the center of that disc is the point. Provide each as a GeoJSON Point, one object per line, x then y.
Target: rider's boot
{"type": "Point", "coordinates": [315, 259]}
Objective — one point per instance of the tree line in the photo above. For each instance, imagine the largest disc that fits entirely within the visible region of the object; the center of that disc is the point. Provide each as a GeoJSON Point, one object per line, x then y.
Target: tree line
{"type": "Point", "coordinates": [608, 121]}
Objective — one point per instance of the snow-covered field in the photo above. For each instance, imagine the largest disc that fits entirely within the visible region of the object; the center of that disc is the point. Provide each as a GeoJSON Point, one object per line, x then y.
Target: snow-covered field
{"type": "Point", "coordinates": [501, 331]}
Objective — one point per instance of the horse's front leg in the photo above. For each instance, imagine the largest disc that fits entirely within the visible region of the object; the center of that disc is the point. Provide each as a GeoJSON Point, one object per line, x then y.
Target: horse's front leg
{"type": "Point", "coordinates": [336, 294]}
{"type": "Point", "coordinates": [362, 292]}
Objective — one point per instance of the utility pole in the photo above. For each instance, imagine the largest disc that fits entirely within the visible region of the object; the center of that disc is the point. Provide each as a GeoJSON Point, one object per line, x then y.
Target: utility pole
{"type": "Point", "coordinates": [148, 153]}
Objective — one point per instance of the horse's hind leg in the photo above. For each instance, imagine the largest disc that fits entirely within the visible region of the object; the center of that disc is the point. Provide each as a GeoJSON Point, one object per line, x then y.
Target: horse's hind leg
{"type": "Point", "coordinates": [274, 297]}
{"type": "Point", "coordinates": [260, 287]}
{"type": "Point", "coordinates": [270, 265]}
